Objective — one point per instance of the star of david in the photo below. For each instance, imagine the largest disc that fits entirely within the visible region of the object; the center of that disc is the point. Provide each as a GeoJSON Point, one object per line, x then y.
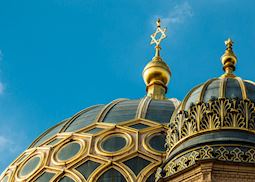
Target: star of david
{"type": "Point", "coordinates": [156, 41]}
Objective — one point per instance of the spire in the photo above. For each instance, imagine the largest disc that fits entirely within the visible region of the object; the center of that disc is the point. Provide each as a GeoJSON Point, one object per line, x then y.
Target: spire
{"type": "Point", "coordinates": [156, 41]}
{"type": "Point", "coordinates": [156, 73]}
{"type": "Point", "coordinates": [228, 59]}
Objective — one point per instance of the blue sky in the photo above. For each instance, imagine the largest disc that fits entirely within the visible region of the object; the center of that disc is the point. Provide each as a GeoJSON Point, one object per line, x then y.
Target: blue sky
{"type": "Point", "coordinates": [60, 56]}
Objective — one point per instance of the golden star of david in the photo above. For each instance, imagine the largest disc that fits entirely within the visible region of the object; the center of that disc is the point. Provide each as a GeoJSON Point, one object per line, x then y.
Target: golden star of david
{"type": "Point", "coordinates": [159, 30]}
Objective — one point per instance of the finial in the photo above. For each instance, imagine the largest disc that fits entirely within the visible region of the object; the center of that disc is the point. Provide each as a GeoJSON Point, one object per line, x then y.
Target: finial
{"type": "Point", "coordinates": [156, 73]}
{"type": "Point", "coordinates": [228, 59]}
{"type": "Point", "coordinates": [158, 22]}
{"type": "Point", "coordinates": [229, 43]}
{"type": "Point", "coordinates": [157, 41]}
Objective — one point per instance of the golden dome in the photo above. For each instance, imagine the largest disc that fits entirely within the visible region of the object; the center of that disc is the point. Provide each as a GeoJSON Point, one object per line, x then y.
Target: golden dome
{"type": "Point", "coordinates": [98, 142]}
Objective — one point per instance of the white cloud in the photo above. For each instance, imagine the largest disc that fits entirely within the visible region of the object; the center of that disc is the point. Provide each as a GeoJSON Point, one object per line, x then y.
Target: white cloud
{"type": "Point", "coordinates": [1, 83]}
{"type": "Point", "coordinates": [1, 55]}
{"type": "Point", "coordinates": [4, 142]}
{"type": "Point", "coordinates": [178, 14]}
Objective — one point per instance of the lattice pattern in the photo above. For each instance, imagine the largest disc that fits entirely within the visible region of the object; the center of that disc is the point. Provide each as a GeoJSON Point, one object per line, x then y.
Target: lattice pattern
{"type": "Point", "coordinates": [56, 163]}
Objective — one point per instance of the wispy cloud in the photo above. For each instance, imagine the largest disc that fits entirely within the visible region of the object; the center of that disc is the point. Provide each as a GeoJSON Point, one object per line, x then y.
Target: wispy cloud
{"type": "Point", "coordinates": [1, 55]}
{"type": "Point", "coordinates": [1, 88]}
{"type": "Point", "coordinates": [4, 142]}
{"type": "Point", "coordinates": [1, 83]}
{"type": "Point", "coordinates": [179, 14]}
{"type": "Point", "coordinates": [11, 143]}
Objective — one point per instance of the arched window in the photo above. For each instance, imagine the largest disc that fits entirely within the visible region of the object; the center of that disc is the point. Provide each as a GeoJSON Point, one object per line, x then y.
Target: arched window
{"type": "Point", "coordinates": [112, 175]}
{"type": "Point", "coordinates": [66, 179]}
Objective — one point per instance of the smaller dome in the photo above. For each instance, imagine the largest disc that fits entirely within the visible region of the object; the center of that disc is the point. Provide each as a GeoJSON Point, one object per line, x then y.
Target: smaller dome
{"type": "Point", "coordinates": [223, 87]}
{"type": "Point", "coordinates": [218, 104]}
{"type": "Point", "coordinates": [215, 121]}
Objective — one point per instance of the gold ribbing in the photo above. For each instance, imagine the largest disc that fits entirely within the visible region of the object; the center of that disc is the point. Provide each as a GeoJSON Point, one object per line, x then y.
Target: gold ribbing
{"type": "Point", "coordinates": [242, 86]}
{"type": "Point", "coordinates": [205, 86]}
{"type": "Point", "coordinates": [142, 107]}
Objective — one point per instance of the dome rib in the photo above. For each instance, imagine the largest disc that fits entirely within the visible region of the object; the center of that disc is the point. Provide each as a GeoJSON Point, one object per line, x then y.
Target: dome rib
{"type": "Point", "coordinates": [188, 96]}
{"type": "Point", "coordinates": [243, 89]}
{"type": "Point", "coordinates": [143, 107]}
{"type": "Point", "coordinates": [222, 88]}
{"type": "Point", "coordinates": [204, 88]}
{"type": "Point", "coordinates": [37, 140]}
{"type": "Point", "coordinates": [101, 116]}
{"type": "Point", "coordinates": [70, 121]}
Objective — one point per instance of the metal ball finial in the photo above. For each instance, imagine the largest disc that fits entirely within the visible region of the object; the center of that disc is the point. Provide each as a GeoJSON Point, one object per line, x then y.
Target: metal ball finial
{"type": "Point", "coordinates": [156, 73]}
{"type": "Point", "coordinates": [228, 59]}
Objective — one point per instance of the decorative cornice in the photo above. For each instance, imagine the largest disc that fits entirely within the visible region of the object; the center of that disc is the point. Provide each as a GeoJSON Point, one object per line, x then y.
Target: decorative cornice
{"type": "Point", "coordinates": [226, 153]}
{"type": "Point", "coordinates": [218, 114]}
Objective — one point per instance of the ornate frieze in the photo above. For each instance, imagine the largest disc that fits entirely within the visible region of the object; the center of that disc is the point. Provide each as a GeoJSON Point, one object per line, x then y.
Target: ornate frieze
{"type": "Point", "coordinates": [229, 153]}
{"type": "Point", "coordinates": [221, 113]}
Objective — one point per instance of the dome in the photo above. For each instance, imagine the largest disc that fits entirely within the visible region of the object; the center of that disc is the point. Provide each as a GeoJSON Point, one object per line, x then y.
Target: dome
{"type": "Point", "coordinates": [120, 141]}
{"type": "Point", "coordinates": [223, 87]}
{"type": "Point", "coordinates": [215, 121]}
{"type": "Point", "coordinates": [100, 143]}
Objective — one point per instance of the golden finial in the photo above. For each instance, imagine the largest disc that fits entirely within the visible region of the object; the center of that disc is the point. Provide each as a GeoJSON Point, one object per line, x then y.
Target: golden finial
{"type": "Point", "coordinates": [229, 43]}
{"type": "Point", "coordinates": [228, 59]}
{"type": "Point", "coordinates": [158, 22]}
{"type": "Point", "coordinates": [156, 73]}
{"type": "Point", "coordinates": [155, 40]}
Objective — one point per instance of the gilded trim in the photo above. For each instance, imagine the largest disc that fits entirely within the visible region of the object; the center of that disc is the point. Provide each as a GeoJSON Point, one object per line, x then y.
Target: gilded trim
{"type": "Point", "coordinates": [218, 114]}
{"type": "Point", "coordinates": [186, 98]}
{"type": "Point", "coordinates": [143, 107]}
{"type": "Point", "coordinates": [243, 89]}
{"type": "Point", "coordinates": [127, 147]}
{"type": "Point", "coordinates": [68, 123]}
{"type": "Point", "coordinates": [205, 86]}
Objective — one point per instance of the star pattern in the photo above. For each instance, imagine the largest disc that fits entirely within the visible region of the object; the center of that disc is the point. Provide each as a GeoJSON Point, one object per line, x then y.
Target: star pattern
{"type": "Point", "coordinates": [159, 30]}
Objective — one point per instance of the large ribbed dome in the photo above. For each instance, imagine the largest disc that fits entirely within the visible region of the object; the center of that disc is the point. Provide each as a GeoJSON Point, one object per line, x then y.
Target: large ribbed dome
{"type": "Point", "coordinates": [117, 112]}
{"type": "Point", "coordinates": [121, 141]}
{"type": "Point", "coordinates": [216, 121]}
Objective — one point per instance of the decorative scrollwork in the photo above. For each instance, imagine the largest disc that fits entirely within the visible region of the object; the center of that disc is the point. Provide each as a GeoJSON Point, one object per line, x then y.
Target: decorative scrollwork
{"type": "Point", "coordinates": [206, 152]}
{"type": "Point", "coordinates": [181, 163]}
{"type": "Point", "coordinates": [217, 152]}
{"type": "Point", "coordinates": [251, 155]}
{"type": "Point", "coordinates": [222, 153]}
{"type": "Point", "coordinates": [219, 113]}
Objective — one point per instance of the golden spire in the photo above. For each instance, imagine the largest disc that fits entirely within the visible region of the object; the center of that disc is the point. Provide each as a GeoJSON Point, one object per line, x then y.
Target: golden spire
{"type": "Point", "coordinates": [156, 73]}
{"type": "Point", "coordinates": [156, 41]}
{"type": "Point", "coordinates": [228, 59]}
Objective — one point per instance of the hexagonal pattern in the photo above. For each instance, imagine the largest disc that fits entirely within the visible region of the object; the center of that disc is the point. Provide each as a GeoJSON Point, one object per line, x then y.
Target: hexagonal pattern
{"type": "Point", "coordinates": [97, 151]}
